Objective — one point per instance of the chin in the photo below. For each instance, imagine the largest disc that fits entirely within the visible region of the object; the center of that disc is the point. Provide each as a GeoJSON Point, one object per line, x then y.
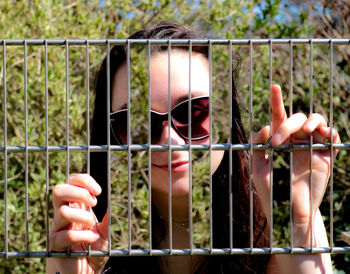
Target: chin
{"type": "Point", "coordinates": [180, 184]}
{"type": "Point", "coordinates": [180, 190]}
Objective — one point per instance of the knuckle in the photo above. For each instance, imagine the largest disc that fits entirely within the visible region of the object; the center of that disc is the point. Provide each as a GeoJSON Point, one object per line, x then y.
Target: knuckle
{"type": "Point", "coordinates": [301, 115]}
{"type": "Point", "coordinates": [72, 176]}
{"type": "Point", "coordinates": [85, 195]}
{"type": "Point", "coordinates": [79, 176]}
{"type": "Point", "coordinates": [62, 211]}
{"type": "Point", "coordinates": [316, 115]}
{"type": "Point", "coordinates": [56, 191]}
{"type": "Point", "coordinates": [319, 116]}
{"type": "Point", "coordinates": [71, 236]}
{"type": "Point", "coordinates": [75, 178]}
{"type": "Point", "coordinates": [84, 178]}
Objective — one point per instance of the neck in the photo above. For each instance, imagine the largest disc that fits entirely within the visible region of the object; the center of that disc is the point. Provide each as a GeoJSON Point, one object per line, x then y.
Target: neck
{"type": "Point", "coordinates": [179, 206]}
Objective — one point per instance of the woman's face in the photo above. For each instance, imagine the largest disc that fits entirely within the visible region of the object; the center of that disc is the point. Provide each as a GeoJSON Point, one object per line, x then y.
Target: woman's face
{"type": "Point", "coordinates": [179, 80]}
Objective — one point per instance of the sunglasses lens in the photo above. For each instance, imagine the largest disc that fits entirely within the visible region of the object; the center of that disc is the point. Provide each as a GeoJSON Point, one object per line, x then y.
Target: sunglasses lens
{"type": "Point", "coordinates": [199, 118]}
{"type": "Point", "coordinates": [156, 127]}
{"type": "Point", "coordinates": [199, 121]}
{"type": "Point", "coordinates": [119, 127]}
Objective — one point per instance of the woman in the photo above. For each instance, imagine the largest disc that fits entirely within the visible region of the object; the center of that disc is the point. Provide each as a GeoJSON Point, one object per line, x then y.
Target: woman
{"type": "Point", "coordinates": [75, 226]}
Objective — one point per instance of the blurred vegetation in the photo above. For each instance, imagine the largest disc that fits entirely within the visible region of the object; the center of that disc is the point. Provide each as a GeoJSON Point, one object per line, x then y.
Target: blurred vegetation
{"type": "Point", "coordinates": [118, 19]}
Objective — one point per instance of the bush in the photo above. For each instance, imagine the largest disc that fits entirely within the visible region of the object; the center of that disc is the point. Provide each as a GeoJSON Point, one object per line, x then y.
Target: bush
{"type": "Point", "coordinates": [118, 19]}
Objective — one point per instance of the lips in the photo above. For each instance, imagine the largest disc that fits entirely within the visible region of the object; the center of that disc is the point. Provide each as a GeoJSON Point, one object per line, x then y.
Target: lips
{"type": "Point", "coordinates": [181, 166]}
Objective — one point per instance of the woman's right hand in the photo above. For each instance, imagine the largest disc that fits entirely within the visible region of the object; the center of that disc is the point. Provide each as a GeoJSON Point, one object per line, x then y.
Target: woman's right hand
{"type": "Point", "coordinates": [75, 226]}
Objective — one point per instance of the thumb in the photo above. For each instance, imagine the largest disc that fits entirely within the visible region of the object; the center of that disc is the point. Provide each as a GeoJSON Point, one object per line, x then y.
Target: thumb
{"type": "Point", "coordinates": [103, 226]}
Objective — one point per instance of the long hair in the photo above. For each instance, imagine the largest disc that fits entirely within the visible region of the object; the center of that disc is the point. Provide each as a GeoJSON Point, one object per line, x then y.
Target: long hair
{"type": "Point", "coordinates": [240, 176]}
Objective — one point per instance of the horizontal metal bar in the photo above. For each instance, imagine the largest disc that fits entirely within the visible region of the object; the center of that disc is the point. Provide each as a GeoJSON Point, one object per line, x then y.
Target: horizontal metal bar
{"type": "Point", "coordinates": [179, 252]}
{"type": "Point", "coordinates": [144, 147]}
{"type": "Point", "coordinates": [174, 42]}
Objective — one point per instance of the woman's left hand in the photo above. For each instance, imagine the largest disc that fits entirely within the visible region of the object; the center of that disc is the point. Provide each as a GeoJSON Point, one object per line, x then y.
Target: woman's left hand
{"type": "Point", "coordinates": [299, 127]}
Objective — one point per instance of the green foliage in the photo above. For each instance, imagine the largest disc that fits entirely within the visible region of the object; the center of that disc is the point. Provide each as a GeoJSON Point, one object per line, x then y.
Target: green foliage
{"type": "Point", "coordinates": [118, 19]}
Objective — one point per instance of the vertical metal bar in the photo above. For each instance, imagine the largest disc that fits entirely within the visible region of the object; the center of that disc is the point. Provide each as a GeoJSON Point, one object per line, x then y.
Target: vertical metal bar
{"type": "Point", "coordinates": [271, 152]}
{"type": "Point", "coordinates": [190, 145]}
{"type": "Point", "coordinates": [87, 107]}
{"type": "Point", "coordinates": [5, 151]}
{"type": "Point", "coordinates": [108, 110]}
{"type": "Point", "coordinates": [331, 141]}
{"type": "Point", "coordinates": [311, 143]}
{"type": "Point", "coordinates": [87, 75]}
{"type": "Point", "coordinates": [67, 120]}
{"type": "Point", "coordinates": [169, 151]}
{"type": "Point", "coordinates": [230, 153]}
{"type": "Point", "coordinates": [149, 148]}
{"type": "Point", "coordinates": [67, 111]}
{"type": "Point", "coordinates": [251, 237]}
{"type": "Point", "coordinates": [291, 144]}
{"type": "Point", "coordinates": [47, 201]}
{"type": "Point", "coordinates": [129, 148]}
{"type": "Point", "coordinates": [211, 139]}
{"type": "Point", "coordinates": [26, 142]}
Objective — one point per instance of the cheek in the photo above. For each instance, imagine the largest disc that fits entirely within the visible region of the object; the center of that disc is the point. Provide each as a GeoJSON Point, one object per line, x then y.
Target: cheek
{"type": "Point", "coordinates": [216, 157]}
{"type": "Point", "coordinates": [204, 141]}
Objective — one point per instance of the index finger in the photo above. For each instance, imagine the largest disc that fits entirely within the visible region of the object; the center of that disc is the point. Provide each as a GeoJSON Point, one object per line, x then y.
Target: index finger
{"type": "Point", "coordinates": [85, 181]}
{"type": "Point", "coordinates": [278, 111]}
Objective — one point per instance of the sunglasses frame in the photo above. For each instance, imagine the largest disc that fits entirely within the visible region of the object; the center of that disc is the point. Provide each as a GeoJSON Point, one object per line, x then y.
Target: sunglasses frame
{"type": "Point", "coordinates": [164, 116]}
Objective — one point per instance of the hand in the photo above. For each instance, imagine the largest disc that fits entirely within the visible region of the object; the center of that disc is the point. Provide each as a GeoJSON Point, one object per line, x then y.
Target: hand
{"type": "Point", "coordinates": [75, 226]}
{"type": "Point", "coordinates": [299, 127]}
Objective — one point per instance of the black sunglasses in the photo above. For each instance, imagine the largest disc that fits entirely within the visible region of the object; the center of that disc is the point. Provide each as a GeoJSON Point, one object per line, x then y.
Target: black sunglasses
{"type": "Point", "coordinates": [179, 121]}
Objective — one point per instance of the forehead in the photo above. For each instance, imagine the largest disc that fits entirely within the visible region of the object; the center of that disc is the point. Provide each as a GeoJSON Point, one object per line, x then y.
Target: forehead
{"type": "Point", "coordinates": [159, 75]}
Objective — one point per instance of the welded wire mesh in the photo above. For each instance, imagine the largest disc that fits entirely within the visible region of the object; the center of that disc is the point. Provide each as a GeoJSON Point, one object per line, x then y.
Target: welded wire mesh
{"type": "Point", "coordinates": [8, 148]}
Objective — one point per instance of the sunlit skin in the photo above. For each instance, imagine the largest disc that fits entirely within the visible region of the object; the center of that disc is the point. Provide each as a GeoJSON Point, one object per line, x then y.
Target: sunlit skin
{"type": "Point", "coordinates": [82, 189]}
{"type": "Point", "coordinates": [159, 102]}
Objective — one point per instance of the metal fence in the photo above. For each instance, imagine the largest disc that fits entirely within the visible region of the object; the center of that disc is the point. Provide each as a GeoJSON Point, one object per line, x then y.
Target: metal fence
{"type": "Point", "coordinates": [27, 149]}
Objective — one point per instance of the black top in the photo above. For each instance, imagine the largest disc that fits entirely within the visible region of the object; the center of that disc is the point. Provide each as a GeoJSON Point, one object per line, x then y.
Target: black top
{"type": "Point", "coordinates": [213, 263]}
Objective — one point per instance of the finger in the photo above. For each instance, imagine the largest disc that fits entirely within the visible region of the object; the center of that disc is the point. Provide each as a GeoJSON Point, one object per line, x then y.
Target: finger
{"type": "Point", "coordinates": [262, 136]}
{"type": "Point", "coordinates": [314, 121]}
{"type": "Point", "coordinates": [85, 181]}
{"type": "Point", "coordinates": [278, 111]}
{"type": "Point", "coordinates": [261, 167]}
{"type": "Point", "coordinates": [103, 226]}
{"type": "Point", "coordinates": [64, 193]}
{"type": "Point", "coordinates": [65, 215]}
{"type": "Point", "coordinates": [59, 241]}
{"type": "Point", "coordinates": [317, 137]}
{"type": "Point", "coordinates": [292, 125]}
{"type": "Point", "coordinates": [326, 132]}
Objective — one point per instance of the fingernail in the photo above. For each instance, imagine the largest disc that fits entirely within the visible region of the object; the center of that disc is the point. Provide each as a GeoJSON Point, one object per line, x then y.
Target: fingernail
{"type": "Point", "coordinates": [277, 138]}
{"type": "Point", "coordinates": [93, 199]}
{"type": "Point", "coordinates": [96, 187]}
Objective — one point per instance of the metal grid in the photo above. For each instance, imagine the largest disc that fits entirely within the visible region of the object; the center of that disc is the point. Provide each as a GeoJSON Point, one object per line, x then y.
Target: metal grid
{"type": "Point", "coordinates": [6, 149]}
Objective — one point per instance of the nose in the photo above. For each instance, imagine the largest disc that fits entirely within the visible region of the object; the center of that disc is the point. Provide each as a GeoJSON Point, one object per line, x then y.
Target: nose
{"type": "Point", "coordinates": [175, 138]}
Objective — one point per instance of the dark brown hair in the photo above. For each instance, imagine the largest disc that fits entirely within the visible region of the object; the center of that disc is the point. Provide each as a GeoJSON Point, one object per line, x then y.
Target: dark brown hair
{"type": "Point", "coordinates": [240, 176]}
